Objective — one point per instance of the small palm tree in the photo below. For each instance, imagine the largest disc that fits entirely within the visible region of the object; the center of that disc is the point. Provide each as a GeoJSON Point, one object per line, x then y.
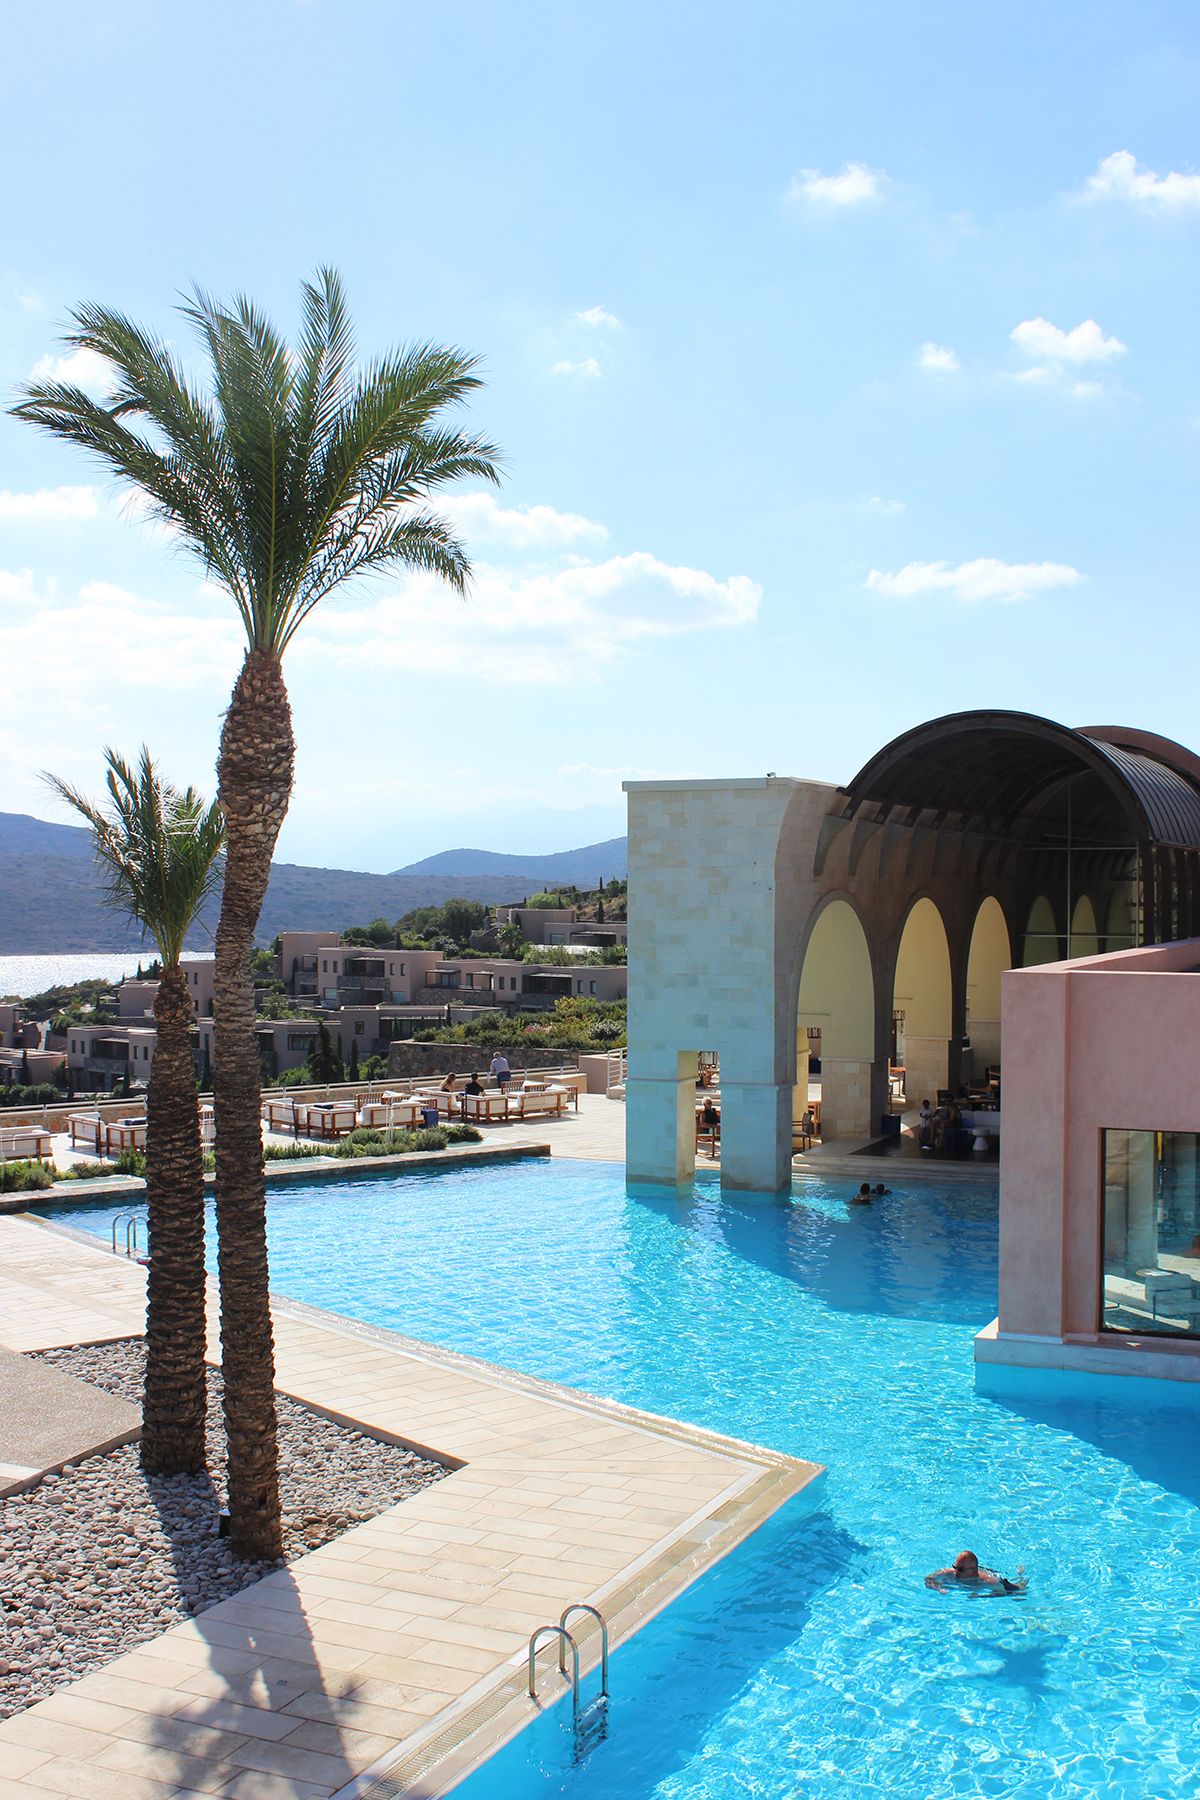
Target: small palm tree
{"type": "Point", "coordinates": [291, 474]}
{"type": "Point", "coordinates": [158, 851]}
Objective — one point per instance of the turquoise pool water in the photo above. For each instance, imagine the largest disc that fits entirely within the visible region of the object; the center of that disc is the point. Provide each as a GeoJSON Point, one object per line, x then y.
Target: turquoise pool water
{"type": "Point", "coordinates": [813, 1661]}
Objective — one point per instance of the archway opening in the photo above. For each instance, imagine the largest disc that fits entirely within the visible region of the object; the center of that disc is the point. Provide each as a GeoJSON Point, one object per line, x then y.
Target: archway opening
{"type": "Point", "coordinates": [837, 998]}
{"type": "Point", "coordinates": [1041, 935]}
{"type": "Point", "coordinates": [1084, 938]}
{"type": "Point", "coordinates": [923, 1004]}
{"type": "Point", "coordinates": [990, 955]}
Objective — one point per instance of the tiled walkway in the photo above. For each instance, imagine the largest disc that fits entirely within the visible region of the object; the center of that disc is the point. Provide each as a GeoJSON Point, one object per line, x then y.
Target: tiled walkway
{"type": "Point", "coordinates": [398, 1647]}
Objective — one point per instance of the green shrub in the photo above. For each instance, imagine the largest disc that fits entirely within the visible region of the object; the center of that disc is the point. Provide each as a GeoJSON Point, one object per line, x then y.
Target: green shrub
{"type": "Point", "coordinates": [85, 1171]}
{"type": "Point", "coordinates": [19, 1177]}
{"type": "Point", "coordinates": [296, 1152]}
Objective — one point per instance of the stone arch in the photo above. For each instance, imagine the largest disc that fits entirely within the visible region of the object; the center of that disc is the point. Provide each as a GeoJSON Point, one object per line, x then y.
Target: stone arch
{"type": "Point", "coordinates": [1041, 943]}
{"type": "Point", "coordinates": [1085, 940]}
{"type": "Point", "coordinates": [923, 989]}
{"type": "Point", "coordinates": [836, 993]}
{"type": "Point", "coordinates": [989, 956]}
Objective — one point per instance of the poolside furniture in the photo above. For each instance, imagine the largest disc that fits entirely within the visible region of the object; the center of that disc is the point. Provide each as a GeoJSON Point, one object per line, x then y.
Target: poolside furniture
{"type": "Point", "coordinates": [1172, 1295]}
{"type": "Point", "coordinates": [208, 1125]}
{"type": "Point", "coordinates": [125, 1134]}
{"type": "Point", "coordinates": [537, 1097]}
{"type": "Point", "coordinates": [438, 1098]}
{"type": "Point", "coordinates": [574, 1082]}
{"type": "Point", "coordinates": [401, 1110]}
{"type": "Point", "coordinates": [278, 1115]}
{"type": "Point", "coordinates": [709, 1135]}
{"type": "Point", "coordinates": [87, 1129]}
{"type": "Point", "coordinates": [25, 1141]}
{"type": "Point", "coordinates": [896, 1079]}
{"type": "Point", "coordinates": [331, 1119]}
{"type": "Point", "coordinates": [487, 1107]}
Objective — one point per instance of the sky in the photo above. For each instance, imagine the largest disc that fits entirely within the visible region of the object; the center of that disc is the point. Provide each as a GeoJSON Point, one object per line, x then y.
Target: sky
{"type": "Point", "coordinates": [843, 360]}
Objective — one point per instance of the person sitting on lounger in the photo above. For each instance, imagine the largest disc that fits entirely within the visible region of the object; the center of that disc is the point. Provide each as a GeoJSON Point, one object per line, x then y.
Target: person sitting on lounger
{"type": "Point", "coordinates": [710, 1118]}
{"type": "Point", "coordinates": [473, 1086]}
{"type": "Point", "coordinates": [448, 1084]}
{"type": "Point", "coordinates": [966, 1572]}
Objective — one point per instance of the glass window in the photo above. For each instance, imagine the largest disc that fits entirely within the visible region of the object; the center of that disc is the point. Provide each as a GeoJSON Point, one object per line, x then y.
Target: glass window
{"type": "Point", "coordinates": [1151, 1233]}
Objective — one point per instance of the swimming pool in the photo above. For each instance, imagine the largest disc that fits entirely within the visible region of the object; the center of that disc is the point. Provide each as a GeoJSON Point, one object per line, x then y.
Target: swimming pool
{"type": "Point", "coordinates": [813, 1661]}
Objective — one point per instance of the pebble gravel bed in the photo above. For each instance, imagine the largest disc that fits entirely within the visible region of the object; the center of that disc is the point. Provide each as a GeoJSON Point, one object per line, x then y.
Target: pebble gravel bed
{"type": "Point", "coordinates": [102, 1557]}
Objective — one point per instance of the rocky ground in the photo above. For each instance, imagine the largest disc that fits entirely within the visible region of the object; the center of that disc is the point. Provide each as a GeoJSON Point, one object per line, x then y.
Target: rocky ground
{"type": "Point", "coordinates": [102, 1557]}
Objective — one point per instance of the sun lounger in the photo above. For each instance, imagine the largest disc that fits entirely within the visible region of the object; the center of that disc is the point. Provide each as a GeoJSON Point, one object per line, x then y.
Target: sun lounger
{"type": "Point", "coordinates": [403, 1112]}
{"type": "Point", "coordinates": [87, 1130]}
{"type": "Point", "coordinates": [485, 1106]}
{"type": "Point", "coordinates": [125, 1134]}
{"type": "Point", "coordinates": [280, 1115]}
{"type": "Point", "coordinates": [537, 1097]}
{"type": "Point", "coordinates": [25, 1141]}
{"type": "Point", "coordinates": [331, 1119]}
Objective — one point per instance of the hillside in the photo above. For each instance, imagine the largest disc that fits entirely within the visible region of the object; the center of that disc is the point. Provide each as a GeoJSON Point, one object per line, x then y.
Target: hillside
{"type": "Point", "coordinates": [50, 899]}
{"type": "Point", "coordinates": [595, 862]}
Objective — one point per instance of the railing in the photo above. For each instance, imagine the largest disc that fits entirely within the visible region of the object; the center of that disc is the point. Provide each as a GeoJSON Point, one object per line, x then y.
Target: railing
{"type": "Point", "coordinates": [584, 1720]}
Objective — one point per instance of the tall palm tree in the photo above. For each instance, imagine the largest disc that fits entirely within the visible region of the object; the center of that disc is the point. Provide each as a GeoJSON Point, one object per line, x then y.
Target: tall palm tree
{"type": "Point", "coordinates": [158, 851]}
{"type": "Point", "coordinates": [291, 473]}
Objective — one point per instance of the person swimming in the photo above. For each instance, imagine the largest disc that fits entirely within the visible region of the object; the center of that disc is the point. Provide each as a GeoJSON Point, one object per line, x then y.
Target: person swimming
{"type": "Point", "coordinates": [966, 1572]}
{"type": "Point", "coordinates": [863, 1196]}
{"type": "Point", "coordinates": [879, 1189]}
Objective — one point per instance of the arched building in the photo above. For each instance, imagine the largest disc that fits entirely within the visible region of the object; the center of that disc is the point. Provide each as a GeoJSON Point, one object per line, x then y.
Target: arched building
{"type": "Point", "coordinates": [880, 915]}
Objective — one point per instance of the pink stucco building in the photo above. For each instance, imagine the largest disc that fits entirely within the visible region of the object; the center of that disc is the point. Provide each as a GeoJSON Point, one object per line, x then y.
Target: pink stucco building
{"type": "Point", "coordinates": [1100, 1178]}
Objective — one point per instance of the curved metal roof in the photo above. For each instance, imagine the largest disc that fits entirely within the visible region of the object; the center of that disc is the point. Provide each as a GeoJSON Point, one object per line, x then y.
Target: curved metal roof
{"type": "Point", "coordinates": [1008, 772]}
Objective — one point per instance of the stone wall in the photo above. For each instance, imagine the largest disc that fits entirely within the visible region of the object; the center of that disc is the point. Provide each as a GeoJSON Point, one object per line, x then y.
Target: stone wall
{"type": "Point", "coordinates": [409, 1061]}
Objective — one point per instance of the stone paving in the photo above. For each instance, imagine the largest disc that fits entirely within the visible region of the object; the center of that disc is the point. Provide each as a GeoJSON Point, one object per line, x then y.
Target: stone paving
{"type": "Point", "coordinates": [47, 1418]}
{"type": "Point", "coordinates": [399, 1645]}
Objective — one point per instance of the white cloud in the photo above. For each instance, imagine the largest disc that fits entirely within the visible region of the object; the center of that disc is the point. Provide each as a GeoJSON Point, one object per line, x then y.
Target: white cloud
{"type": "Point", "coordinates": [983, 579]}
{"type": "Point", "coordinates": [938, 359]}
{"type": "Point", "coordinates": [50, 504]}
{"type": "Point", "coordinates": [83, 369]}
{"type": "Point", "coordinates": [482, 519]}
{"type": "Point", "coordinates": [596, 315]}
{"type": "Point", "coordinates": [884, 509]}
{"type": "Point", "coordinates": [544, 627]}
{"type": "Point", "coordinates": [856, 184]}
{"type": "Point", "coordinates": [1086, 343]}
{"type": "Point", "coordinates": [1119, 178]}
{"type": "Point", "coordinates": [108, 639]}
{"type": "Point", "coordinates": [588, 367]}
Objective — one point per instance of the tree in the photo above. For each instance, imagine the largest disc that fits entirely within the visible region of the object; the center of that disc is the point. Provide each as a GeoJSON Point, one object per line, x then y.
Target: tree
{"type": "Point", "coordinates": [294, 472]}
{"type": "Point", "coordinates": [206, 1071]}
{"type": "Point", "coordinates": [512, 939]}
{"type": "Point", "coordinates": [26, 1078]}
{"type": "Point", "coordinates": [353, 1069]}
{"type": "Point", "coordinates": [158, 850]}
{"type": "Point", "coordinates": [461, 917]}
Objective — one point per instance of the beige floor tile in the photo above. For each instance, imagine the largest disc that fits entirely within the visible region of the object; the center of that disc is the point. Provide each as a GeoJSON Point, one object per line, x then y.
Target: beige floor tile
{"type": "Point", "coordinates": [16, 1760]}
{"type": "Point", "coordinates": [55, 1736]}
{"type": "Point", "coordinates": [89, 1781]}
{"type": "Point", "coordinates": [229, 1715]}
{"type": "Point", "coordinates": [288, 1759]}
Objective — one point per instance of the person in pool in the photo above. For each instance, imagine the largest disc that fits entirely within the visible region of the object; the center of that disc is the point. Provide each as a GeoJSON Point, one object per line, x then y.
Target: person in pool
{"type": "Point", "coordinates": [879, 1189]}
{"type": "Point", "coordinates": [863, 1196]}
{"type": "Point", "coordinates": [966, 1572]}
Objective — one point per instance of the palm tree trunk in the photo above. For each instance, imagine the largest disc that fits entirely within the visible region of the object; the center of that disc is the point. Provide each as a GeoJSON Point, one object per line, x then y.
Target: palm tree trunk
{"type": "Point", "coordinates": [254, 772]}
{"type": "Point", "coordinates": [174, 1404]}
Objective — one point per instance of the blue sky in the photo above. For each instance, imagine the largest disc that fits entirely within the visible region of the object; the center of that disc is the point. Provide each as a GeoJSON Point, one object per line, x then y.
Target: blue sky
{"type": "Point", "coordinates": [844, 361]}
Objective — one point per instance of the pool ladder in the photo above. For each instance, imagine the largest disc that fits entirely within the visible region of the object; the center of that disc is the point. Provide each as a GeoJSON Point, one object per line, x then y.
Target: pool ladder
{"type": "Point", "coordinates": [130, 1222]}
{"type": "Point", "coordinates": [591, 1722]}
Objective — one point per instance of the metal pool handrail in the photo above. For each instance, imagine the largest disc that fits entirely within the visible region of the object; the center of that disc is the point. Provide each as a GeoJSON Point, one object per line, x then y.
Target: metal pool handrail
{"type": "Point", "coordinates": [131, 1225]}
{"type": "Point", "coordinates": [583, 1607]}
{"type": "Point", "coordinates": [563, 1635]}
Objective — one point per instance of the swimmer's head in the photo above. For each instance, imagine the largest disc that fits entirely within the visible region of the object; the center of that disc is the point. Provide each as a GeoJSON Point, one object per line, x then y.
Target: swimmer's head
{"type": "Point", "coordinates": [966, 1565]}
{"type": "Point", "coordinates": [865, 1188]}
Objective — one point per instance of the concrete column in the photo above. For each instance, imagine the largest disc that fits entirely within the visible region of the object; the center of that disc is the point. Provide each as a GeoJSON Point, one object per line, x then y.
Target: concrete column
{"type": "Point", "coordinates": [927, 1061]}
{"type": "Point", "coordinates": [660, 1125]}
{"type": "Point", "coordinates": [854, 1093]}
{"type": "Point", "coordinates": [756, 1135]}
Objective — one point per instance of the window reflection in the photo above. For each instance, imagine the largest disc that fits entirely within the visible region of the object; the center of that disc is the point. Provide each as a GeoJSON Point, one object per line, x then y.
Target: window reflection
{"type": "Point", "coordinates": [1151, 1233]}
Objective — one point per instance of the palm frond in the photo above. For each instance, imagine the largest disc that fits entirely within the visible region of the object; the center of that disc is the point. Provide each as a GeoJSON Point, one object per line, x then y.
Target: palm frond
{"type": "Point", "coordinates": [158, 849]}
{"type": "Point", "coordinates": [292, 473]}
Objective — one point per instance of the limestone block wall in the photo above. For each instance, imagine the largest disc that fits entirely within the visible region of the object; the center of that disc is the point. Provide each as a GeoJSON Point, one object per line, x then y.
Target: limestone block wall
{"type": "Point", "coordinates": [927, 1062]}
{"type": "Point", "coordinates": [720, 885]}
{"type": "Point", "coordinates": [847, 1090]}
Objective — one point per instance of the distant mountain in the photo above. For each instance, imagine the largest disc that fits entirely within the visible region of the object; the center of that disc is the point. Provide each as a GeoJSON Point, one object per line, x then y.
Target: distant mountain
{"type": "Point", "coordinates": [595, 862]}
{"type": "Point", "coordinates": [50, 899]}
{"type": "Point", "coordinates": [21, 834]}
